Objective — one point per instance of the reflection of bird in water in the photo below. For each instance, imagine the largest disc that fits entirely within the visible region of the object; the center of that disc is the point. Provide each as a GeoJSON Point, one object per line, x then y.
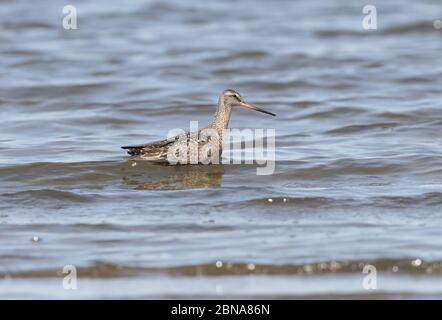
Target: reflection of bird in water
{"type": "Point", "coordinates": [206, 140]}
{"type": "Point", "coordinates": [159, 177]}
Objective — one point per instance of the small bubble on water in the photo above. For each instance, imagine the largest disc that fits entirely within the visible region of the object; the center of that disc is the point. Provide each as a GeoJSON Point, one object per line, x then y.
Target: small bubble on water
{"type": "Point", "coordinates": [35, 239]}
{"type": "Point", "coordinates": [219, 264]}
{"type": "Point", "coordinates": [270, 200]}
{"type": "Point", "coordinates": [395, 269]}
{"type": "Point", "coordinates": [308, 268]}
{"type": "Point", "coordinates": [134, 164]}
{"type": "Point", "coordinates": [416, 263]}
{"type": "Point", "coordinates": [251, 266]}
{"type": "Point", "coordinates": [284, 200]}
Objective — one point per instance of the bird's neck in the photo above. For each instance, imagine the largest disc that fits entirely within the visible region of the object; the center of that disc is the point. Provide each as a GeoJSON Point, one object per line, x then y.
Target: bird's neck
{"type": "Point", "coordinates": [222, 116]}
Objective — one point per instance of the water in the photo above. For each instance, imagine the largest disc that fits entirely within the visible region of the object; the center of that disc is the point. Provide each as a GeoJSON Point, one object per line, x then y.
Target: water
{"type": "Point", "coordinates": [358, 175]}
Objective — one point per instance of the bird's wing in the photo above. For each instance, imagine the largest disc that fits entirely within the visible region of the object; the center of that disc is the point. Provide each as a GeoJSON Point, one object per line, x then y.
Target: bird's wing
{"type": "Point", "coordinates": [158, 151]}
{"type": "Point", "coordinates": [154, 151]}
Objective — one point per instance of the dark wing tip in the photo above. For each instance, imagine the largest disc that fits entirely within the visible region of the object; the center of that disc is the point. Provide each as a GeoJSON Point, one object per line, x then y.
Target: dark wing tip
{"type": "Point", "coordinates": [133, 150]}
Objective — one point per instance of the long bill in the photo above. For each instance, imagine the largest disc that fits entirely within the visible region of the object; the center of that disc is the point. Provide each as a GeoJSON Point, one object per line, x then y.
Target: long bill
{"type": "Point", "coordinates": [253, 107]}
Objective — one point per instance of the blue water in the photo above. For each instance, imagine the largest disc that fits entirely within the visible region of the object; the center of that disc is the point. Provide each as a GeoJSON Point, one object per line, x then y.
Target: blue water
{"type": "Point", "coordinates": [358, 176]}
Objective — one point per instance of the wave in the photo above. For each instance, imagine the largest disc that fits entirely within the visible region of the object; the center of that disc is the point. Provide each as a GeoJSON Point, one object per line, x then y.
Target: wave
{"type": "Point", "coordinates": [430, 199]}
{"type": "Point", "coordinates": [363, 127]}
{"type": "Point", "coordinates": [398, 29]}
{"type": "Point", "coordinates": [225, 268]}
{"type": "Point", "coordinates": [43, 196]}
{"type": "Point", "coordinates": [426, 199]}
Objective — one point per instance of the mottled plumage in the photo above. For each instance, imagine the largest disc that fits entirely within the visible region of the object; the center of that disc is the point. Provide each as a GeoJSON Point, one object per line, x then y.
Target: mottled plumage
{"type": "Point", "coordinates": [197, 145]}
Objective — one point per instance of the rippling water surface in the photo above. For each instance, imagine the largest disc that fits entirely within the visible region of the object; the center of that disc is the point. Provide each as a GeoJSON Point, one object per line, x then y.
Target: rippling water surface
{"type": "Point", "coordinates": [358, 175]}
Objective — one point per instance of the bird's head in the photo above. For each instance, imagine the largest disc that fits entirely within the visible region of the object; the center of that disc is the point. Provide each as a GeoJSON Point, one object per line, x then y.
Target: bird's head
{"type": "Point", "coordinates": [232, 98]}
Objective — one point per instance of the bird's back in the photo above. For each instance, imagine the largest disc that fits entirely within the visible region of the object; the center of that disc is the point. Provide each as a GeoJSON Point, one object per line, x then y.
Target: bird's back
{"type": "Point", "coordinates": [155, 151]}
{"type": "Point", "coordinates": [186, 148]}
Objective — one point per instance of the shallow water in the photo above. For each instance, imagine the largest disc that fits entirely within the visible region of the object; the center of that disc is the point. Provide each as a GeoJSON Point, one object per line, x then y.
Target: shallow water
{"type": "Point", "coordinates": [358, 175]}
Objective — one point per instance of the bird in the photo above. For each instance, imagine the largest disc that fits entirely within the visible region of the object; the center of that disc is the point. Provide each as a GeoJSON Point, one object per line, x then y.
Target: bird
{"type": "Point", "coordinates": [202, 147]}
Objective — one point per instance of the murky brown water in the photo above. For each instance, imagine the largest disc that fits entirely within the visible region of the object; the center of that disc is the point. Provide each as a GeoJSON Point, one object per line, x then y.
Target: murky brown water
{"type": "Point", "coordinates": [358, 175]}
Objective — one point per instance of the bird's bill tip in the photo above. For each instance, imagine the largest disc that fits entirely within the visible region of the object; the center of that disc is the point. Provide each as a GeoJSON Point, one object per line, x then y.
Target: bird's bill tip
{"type": "Point", "coordinates": [253, 107]}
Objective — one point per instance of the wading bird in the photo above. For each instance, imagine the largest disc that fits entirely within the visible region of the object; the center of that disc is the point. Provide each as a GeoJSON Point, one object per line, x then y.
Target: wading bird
{"type": "Point", "coordinates": [204, 146]}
